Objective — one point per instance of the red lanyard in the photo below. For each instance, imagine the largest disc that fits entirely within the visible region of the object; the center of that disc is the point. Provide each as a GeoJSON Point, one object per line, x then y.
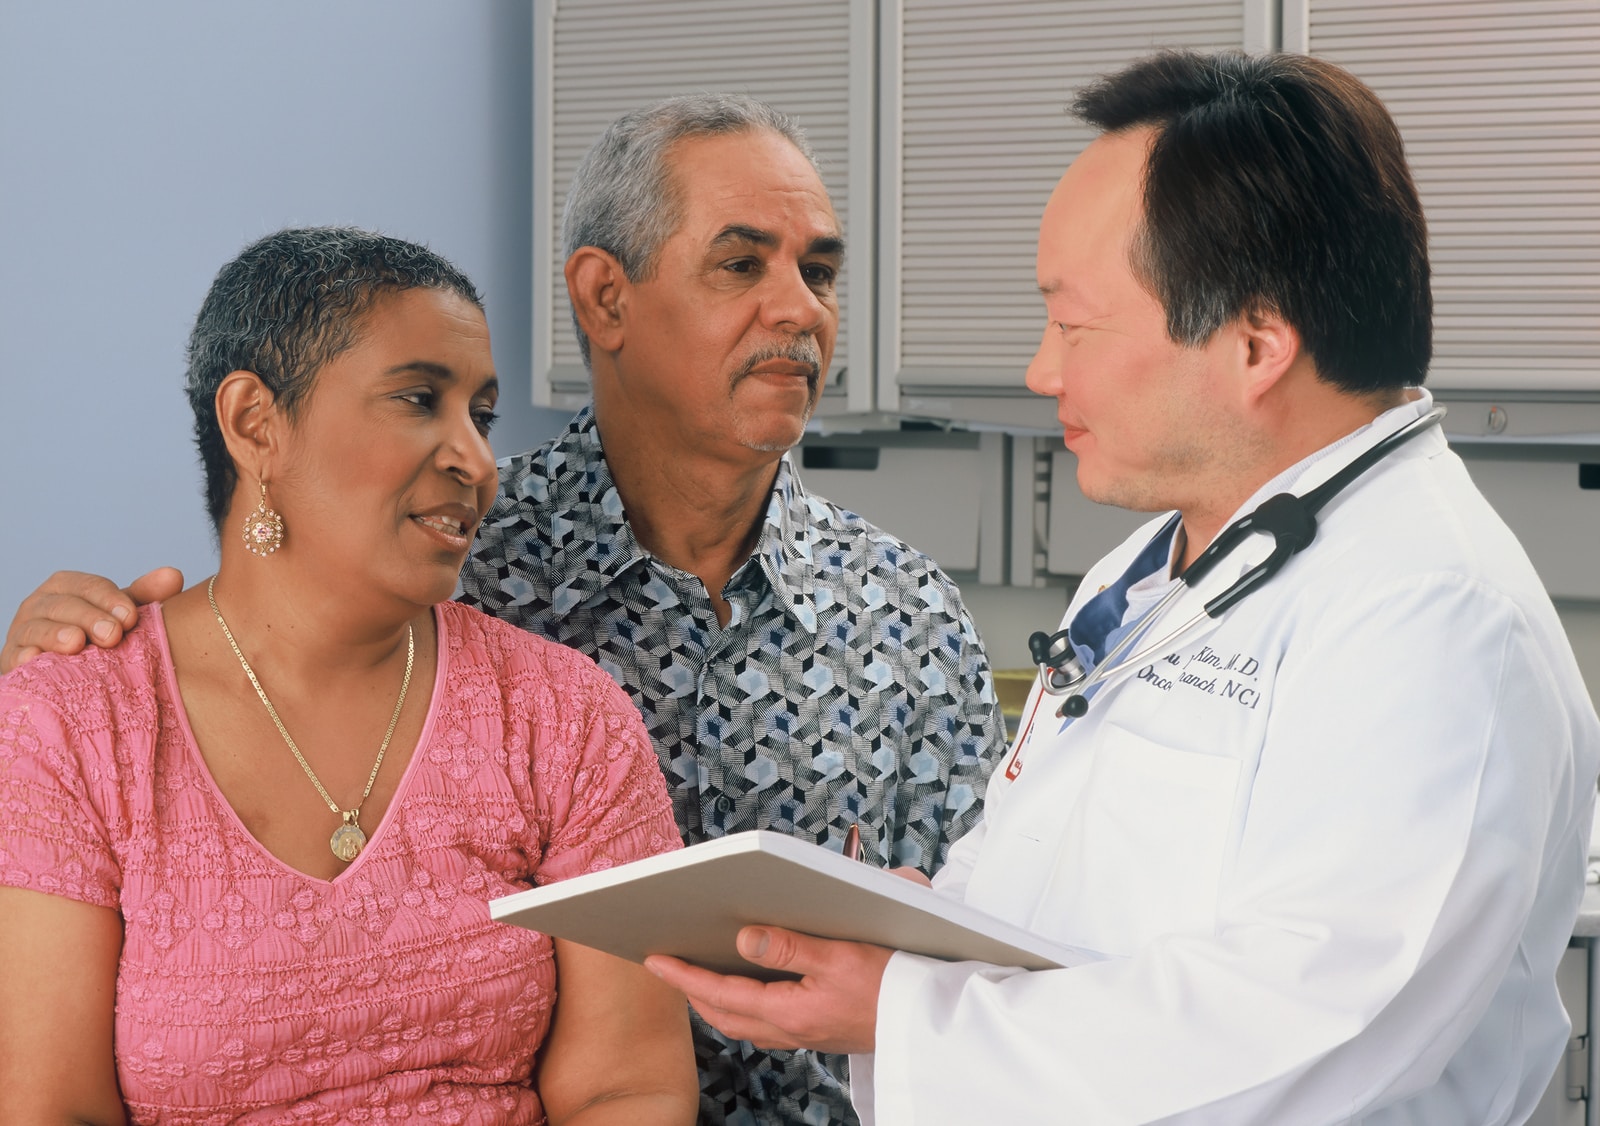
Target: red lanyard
{"type": "Point", "coordinates": [1014, 767]}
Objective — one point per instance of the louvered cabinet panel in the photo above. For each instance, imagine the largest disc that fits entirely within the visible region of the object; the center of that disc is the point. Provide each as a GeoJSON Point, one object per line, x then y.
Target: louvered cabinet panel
{"type": "Point", "coordinates": [597, 59]}
{"type": "Point", "coordinates": [975, 135]}
{"type": "Point", "coordinates": [1499, 103]}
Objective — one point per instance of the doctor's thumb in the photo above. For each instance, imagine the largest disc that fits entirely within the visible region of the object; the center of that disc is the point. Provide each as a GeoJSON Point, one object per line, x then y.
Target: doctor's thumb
{"type": "Point", "coordinates": [755, 943]}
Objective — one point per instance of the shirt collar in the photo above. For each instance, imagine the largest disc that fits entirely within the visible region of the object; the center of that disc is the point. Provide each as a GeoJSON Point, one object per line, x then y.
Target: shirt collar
{"type": "Point", "coordinates": [592, 544]}
{"type": "Point", "coordinates": [1312, 470]}
{"type": "Point", "coordinates": [585, 528]}
{"type": "Point", "coordinates": [788, 544]}
{"type": "Point", "coordinates": [1093, 625]}
{"type": "Point", "coordinates": [1309, 472]}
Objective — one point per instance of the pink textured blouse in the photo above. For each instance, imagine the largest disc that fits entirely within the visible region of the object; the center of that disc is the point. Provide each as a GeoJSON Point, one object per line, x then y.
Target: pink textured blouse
{"type": "Point", "coordinates": [249, 992]}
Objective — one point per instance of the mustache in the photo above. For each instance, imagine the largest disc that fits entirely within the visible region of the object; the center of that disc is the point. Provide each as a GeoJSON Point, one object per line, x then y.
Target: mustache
{"type": "Point", "coordinates": [795, 349]}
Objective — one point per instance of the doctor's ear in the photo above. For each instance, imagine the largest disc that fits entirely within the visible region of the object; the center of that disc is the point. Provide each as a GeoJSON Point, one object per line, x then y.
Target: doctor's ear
{"type": "Point", "coordinates": [250, 420]}
{"type": "Point", "coordinates": [598, 288]}
{"type": "Point", "coordinates": [1269, 346]}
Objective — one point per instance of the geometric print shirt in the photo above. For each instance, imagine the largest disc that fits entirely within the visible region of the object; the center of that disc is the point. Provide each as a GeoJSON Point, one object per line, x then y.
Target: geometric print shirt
{"type": "Point", "coordinates": [848, 687]}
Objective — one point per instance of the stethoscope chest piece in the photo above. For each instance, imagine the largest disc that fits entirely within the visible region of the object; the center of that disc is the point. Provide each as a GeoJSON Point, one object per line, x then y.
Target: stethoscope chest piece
{"type": "Point", "coordinates": [1060, 669]}
{"type": "Point", "coordinates": [1058, 664]}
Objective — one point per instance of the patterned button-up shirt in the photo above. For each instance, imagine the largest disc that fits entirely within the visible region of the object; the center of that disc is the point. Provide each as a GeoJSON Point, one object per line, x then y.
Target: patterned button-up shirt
{"type": "Point", "coordinates": [849, 686]}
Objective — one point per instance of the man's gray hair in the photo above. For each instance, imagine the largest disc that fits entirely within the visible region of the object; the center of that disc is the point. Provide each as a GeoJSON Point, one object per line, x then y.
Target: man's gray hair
{"type": "Point", "coordinates": [623, 199]}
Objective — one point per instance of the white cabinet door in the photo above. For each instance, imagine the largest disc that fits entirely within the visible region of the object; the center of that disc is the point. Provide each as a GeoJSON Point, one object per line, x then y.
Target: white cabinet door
{"type": "Point", "coordinates": [1556, 520]}
{"type": "Point", "coordinates": [597, 59]}
{"type": "Point", "coordinates": [940, 497]}
{"type": "Point", "coordinates": [974, 135]}
{"type": "Point", "coordinates": [1499, 103]}
{"type": "Point", "coordinates": [1079, 531]}
{"type": "Point", "coordinates": [1558, 1107]}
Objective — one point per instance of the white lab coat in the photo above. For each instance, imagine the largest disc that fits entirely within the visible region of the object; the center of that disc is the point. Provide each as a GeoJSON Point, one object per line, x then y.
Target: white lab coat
{"type": "Point", "coordinates": [1332, 847]}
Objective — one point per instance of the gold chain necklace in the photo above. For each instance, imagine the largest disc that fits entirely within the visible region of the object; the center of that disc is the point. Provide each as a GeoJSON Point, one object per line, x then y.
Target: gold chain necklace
{"type": "Point", "coordinates": [348, 839]}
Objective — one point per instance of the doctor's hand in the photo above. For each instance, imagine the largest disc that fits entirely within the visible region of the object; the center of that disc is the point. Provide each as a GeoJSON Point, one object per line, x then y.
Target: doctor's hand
{"type": "Point", "coordinates": [72, 609]}
{"type": "Point", "coordinates": [832, 1008]}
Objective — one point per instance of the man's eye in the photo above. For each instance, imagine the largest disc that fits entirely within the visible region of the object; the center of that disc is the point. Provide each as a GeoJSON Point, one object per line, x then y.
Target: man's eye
{"type": "Point", "coordinates": [741, 265]}
{"type": "Point", "coordinates": [819, 275]}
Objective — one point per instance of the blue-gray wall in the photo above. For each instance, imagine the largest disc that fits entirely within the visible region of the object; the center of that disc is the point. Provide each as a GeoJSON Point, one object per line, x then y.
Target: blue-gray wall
{"type": "Point", "coordinates": [141, 145]}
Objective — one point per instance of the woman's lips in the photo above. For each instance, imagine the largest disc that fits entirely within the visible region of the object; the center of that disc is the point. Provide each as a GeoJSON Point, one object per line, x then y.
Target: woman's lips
{"type": "Point", "coordinates": [445, 524]}
{"type": "Point", "coordinates": [453, 524]}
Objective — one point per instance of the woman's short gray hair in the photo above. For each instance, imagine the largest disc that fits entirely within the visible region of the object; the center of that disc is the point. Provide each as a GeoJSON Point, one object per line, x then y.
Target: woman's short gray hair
{"type": "Point", "coordinates": [623, 199]}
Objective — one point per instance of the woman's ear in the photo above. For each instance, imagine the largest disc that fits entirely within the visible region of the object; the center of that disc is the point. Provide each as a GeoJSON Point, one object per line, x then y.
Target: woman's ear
{"type": "Point", "coordinates": [597, 286]}
{"type": "Point", "coordinates": [248, 415]}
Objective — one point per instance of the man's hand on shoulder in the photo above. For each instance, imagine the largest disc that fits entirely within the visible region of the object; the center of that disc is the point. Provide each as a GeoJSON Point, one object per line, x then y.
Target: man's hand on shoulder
{"type": "Point", "coordinates": [72, 608]}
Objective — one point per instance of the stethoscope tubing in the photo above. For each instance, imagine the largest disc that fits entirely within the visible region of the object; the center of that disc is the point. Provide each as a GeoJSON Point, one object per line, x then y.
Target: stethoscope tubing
{"type": "Point", "coordinates": [1106, 671]}
{"type": "Point", "coordinates": [1301, 527]}
{"type": "Point", "coordinates": [1113, 663]}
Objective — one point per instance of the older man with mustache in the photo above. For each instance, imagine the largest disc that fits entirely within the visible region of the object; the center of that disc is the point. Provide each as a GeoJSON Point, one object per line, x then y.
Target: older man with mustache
{"type": "Point", "coordinates": [798, 669]}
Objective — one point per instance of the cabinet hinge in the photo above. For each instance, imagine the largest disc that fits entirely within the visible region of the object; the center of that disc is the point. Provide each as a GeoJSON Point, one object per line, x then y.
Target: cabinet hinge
{"type": "Point", "coordinates": [1578, 1068]}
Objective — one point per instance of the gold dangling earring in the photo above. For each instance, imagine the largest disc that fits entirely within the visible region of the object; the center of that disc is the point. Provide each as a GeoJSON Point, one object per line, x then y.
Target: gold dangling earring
{"type": "Point", "coordinates": [263, 528]}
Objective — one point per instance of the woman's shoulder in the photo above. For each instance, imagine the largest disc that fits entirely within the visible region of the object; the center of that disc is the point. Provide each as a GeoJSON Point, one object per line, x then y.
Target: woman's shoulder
{"type": "Point", "coordinates": [96, 680]}
{"type": "Point", "coordinates": [82, 733]}
{"type": "Point", "coordinates": [476, 637]}
{"type": "Point", "coordinates": [526, 679]}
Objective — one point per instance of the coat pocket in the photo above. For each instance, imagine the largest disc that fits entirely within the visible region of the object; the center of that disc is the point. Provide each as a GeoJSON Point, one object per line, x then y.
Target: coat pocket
{"type": "Point", "coordinates": [1144, 852]}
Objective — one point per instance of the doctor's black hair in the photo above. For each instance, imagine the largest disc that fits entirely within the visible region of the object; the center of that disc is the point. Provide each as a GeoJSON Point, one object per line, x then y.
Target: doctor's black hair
{"type": "Point", "coordinates": [1277, 183]}
{"type": "Point", "coordinates": [283, 308]}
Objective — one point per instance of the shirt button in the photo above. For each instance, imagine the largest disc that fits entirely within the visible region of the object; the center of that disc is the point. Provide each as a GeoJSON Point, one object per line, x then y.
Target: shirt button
{"type": "Point", "coordinates": [723, 804]}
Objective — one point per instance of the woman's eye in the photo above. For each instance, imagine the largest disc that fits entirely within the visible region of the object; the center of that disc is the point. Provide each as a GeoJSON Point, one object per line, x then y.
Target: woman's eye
{"type": "Point", "coordinates": [423, 399]}
{"type": "Point", "coordinates": [485, 420]}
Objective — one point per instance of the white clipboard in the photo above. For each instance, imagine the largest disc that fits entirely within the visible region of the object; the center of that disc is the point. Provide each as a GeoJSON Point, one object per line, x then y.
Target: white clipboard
{"type": "Point", "coordinates": [691, 904]}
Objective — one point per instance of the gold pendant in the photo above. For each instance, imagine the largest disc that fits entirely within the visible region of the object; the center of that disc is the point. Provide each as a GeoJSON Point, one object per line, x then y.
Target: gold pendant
{"type": "Point", "coordinates": [348, 839]}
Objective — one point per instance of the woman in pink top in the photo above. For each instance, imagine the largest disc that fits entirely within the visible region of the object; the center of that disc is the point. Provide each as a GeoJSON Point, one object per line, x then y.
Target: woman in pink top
{"type": "Point", "coordinates": [245, 856]}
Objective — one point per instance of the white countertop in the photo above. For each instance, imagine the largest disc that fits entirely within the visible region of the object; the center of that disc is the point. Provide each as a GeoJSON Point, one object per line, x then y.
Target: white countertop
{"type": "Point", "coordinates": [1588, 924]}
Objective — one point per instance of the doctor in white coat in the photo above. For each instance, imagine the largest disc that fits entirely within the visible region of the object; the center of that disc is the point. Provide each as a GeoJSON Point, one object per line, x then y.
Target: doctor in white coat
{"type": "Point", "coordinates": [1328, 848]}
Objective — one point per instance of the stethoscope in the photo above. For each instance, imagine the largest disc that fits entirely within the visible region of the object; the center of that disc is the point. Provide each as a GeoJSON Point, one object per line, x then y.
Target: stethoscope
{"type": "Point", "coordinates": [1290, 520]}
